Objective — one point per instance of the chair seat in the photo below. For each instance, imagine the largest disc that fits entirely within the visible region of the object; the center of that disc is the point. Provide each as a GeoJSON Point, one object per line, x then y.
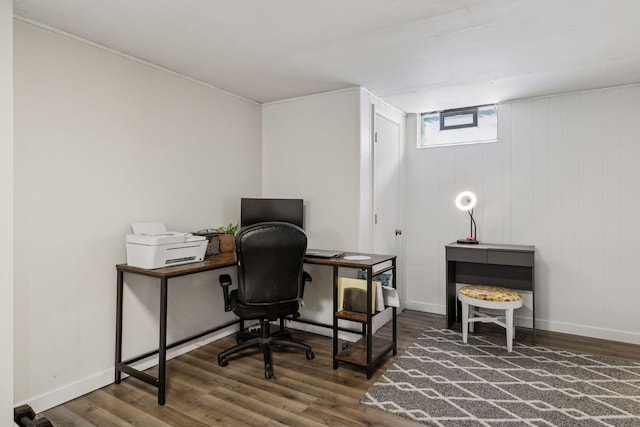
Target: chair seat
{"type": "Point", "coordinates": [489, 297]}
{"type": "Point", "coordinates": [260, 311]}
{"type": "Point", "coordinates": [490, 293]}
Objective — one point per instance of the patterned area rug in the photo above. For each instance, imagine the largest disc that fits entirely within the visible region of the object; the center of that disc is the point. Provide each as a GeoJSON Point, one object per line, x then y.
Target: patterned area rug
{"type": "Point", "coordinates": [440, 381]}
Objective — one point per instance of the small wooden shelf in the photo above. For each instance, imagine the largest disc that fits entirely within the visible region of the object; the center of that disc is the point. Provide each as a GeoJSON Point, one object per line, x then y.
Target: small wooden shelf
{"type": "Point", "coordinates": [354, 316]}
{"type": "Point", "coordinates": [356, 353]}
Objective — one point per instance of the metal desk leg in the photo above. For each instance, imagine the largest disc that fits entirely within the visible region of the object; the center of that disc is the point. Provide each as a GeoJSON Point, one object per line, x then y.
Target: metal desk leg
{"type": "Point", "coordinates": [335, 318]}
{"type": "Point", "coordinates": [119, 289]}
{"type": "Point", "coordinates": [162, 346]}
{"type": "Point", "coordinates": [533, 307]}
{"type": "Point", "coordinates": [369, 319]}
{"type": "Point", "coordinates": [393, 311]}
{"type": "Point", "coordinates": [451, 293]}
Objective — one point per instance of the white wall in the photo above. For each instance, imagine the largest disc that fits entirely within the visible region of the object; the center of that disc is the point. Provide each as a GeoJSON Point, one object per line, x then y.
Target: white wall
{"type": "Point", "coordinates": [6, 211]}
{"type": "Point", "coordinates": [319, 148]}
{"type": "Point", "coordinates": [311, 150]}
{"type": "Point", "coordinates": [101, 141]}
{"type": "Point", "coordinates": [563, 177]}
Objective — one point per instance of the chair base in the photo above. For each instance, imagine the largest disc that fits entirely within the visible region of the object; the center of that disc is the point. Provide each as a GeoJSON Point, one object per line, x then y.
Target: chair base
{"type": "Point", "coordinates": [243, 336]}
{"type": "Point", "coordinates": [264, 340]}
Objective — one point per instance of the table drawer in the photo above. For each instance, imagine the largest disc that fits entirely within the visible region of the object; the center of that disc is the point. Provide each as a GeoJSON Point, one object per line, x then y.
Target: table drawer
{"type": "Point", "coordinates": [467, 255]}
{"type": "Point", "coordinates": [524, 259]}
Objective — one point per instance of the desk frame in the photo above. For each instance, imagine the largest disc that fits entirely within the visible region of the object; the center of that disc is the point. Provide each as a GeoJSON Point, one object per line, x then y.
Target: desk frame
{"type": "Point", "coordinates": [371, 359]}
{"type": "Point", "coordinates": [510, 266]}
{"type": "Point", "coordinates": [164, 274]}
{"type": "Point", "coordinates": [229, 260]}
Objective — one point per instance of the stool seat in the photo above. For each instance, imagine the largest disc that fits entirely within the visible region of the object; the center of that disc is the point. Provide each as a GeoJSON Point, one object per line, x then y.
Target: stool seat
{"type": "Point", "coordinates": [488, 297]}
{"type": "Point", "coordinates": [490, 293]}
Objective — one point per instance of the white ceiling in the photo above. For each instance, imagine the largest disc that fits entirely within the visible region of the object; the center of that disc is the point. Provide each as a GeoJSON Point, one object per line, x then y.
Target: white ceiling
{"type": "Point", "coordinates": [419, 55]}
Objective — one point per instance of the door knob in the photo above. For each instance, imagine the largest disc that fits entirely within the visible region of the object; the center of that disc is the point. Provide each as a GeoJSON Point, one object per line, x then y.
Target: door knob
{"type": "Point", "coordinates": [398, 232]}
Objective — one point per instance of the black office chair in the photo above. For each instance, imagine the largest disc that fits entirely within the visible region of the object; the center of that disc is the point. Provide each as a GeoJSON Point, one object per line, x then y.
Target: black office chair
{"type": "Point", "coordinates": [270, 256]}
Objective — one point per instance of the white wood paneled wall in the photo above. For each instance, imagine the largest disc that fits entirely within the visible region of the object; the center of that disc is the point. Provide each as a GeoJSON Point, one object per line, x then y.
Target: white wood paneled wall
{"type": "Point", "coordinates": [564, 176]}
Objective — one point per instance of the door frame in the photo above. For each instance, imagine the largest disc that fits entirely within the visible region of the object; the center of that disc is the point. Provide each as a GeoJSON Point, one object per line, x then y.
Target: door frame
{"type": "Point", "coordinates": [374, 117]}
{"type": "Point", "coordinates": [370, 105]}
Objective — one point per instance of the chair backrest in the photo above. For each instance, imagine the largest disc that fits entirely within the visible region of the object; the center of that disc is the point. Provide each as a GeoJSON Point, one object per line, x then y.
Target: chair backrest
{"type": "Point", "coordinates": [270, 259]}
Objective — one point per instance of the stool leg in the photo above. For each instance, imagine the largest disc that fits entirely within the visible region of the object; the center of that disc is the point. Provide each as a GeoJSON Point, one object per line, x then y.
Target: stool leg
{"type": "Point", "coordinates": [472, 325]}
{"type": "Point", "coordinates": [509, 322]}
{"type": "Point", "coordinates": [465, 322]}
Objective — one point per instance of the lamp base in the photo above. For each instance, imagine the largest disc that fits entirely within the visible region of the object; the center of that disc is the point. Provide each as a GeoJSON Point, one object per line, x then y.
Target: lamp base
{"type": "Point", "coordinates": [468, 241]}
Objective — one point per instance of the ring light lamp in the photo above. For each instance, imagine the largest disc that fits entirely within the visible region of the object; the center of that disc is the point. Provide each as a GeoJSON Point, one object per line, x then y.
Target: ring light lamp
{"type": "Point", "coordinates": [466, 201]}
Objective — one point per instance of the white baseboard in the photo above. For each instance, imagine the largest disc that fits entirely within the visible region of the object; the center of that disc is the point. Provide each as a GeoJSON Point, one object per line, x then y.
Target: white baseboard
{"type": "Point", "coordinates": [550, 325]}
{"type": "Point", "coordinates": [307, 327]}
{"type": "Point", "coordinates": [425, 308]}
{"type": "Point", "coordinates": [69, 391]}
{"type": "Point", "coordinates": [100, 379]}
{"type": "Point", "coordinates": [321, 330]}
{"type": "Point", "coordinates": [588, 331]}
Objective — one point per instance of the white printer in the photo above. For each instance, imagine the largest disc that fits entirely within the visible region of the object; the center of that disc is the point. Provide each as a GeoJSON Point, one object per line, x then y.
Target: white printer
{"type": "Point", "coordinates": [152, 246]}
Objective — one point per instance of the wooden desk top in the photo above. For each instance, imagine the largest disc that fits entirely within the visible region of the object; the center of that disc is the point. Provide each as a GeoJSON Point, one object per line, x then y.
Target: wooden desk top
{"type": "Point", "coordinates": [228, 259]}
{"type": "Point", "coordinates": [341, 262]}
{"type": "Point", "coordinates": [225, 259]}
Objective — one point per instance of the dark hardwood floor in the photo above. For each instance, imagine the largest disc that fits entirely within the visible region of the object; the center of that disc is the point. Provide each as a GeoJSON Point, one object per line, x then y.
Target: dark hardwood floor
{"type": "Point", "coordinates": [304, 393]}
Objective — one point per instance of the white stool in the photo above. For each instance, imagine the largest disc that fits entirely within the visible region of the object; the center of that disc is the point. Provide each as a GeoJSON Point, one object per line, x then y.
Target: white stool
{"type": "Point", "coordinates": [490, 297]}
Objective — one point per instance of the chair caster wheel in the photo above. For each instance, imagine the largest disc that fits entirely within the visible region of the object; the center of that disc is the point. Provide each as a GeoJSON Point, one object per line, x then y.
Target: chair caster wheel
{"type": "Point", "coordinates": [223, 362]}
{"type": "Point", "coordinates": [268, 372]}
{"type": "Point", "coordinates": [310, 355]}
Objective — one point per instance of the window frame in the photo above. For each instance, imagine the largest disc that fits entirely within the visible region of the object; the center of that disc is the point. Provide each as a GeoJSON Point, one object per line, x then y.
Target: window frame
{"type": "Point", "coordinates": [459, 112]}
{"type": "Point", "coordinates": [483, 128]}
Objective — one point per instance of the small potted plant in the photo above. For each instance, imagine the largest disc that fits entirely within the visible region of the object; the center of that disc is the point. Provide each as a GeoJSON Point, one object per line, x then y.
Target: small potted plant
{"type": "Point", "coordinates": [227, 237]}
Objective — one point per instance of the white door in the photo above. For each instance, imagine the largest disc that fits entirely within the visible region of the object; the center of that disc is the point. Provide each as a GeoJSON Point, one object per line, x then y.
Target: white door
{"type": "Point", "coordinates": [386, 162]}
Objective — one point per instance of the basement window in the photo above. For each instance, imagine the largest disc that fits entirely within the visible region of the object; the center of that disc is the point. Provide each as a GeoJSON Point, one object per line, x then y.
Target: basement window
{"type": "Point", "coordinates": [468, 125]}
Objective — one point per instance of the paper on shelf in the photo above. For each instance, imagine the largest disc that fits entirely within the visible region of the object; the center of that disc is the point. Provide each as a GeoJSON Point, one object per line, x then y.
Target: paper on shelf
{"type": "Point", "coordinates": [347, 283]}
{"type": "Point", "coordinates": [379, 297]}
{"type": "Point", "coordinates": [390, 296]}
{"type": "Point", "coordinates": [383, 296]}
